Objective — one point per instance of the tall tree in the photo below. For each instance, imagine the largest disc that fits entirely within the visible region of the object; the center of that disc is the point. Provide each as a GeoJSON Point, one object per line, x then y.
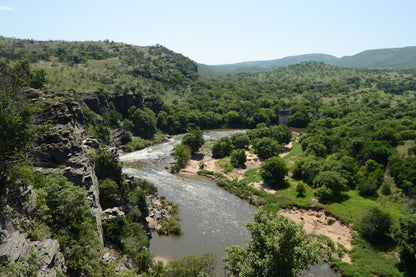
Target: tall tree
{"type": "Point", "coordinates": [194, 139]}
{"type": "Point", "coordinates": [278, 247]}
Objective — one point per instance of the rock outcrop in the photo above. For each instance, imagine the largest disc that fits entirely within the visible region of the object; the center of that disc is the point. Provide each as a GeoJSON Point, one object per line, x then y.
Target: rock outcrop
{"type": "Point", "coordinates": [63, 150]}
{"type": "Point", "coordinates": [15, 248]}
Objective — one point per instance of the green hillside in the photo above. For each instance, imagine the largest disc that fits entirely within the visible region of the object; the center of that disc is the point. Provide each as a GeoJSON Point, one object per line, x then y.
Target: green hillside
{"type": "Point", "coordinates": [256, 66]}
{"type": "Point", "coordinates": [392, 58]}
{"type": "Point", "coordinates": [115, 67]}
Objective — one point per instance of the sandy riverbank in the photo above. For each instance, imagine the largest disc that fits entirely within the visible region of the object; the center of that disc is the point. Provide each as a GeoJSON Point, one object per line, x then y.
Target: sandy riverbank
{"type": "Point", "coordinates": [316, 222]}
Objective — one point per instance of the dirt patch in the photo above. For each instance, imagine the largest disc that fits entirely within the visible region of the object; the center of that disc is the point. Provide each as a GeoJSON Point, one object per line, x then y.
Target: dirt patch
{"type": "Point", "coordinates": [205, 158]}
{"type": "Point", "coordinates": [164, 260]}
{"type": "Point", "coordinates": [320, 222]}
{"type": "Point", "coordinates": [211, 164]}
{"type": "Point", "coordinates": [261, 185]}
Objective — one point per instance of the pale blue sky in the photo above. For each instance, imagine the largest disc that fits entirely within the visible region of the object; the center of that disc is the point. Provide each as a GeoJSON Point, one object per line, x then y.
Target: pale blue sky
{"type": "Point", "coordinates": [220, 31]}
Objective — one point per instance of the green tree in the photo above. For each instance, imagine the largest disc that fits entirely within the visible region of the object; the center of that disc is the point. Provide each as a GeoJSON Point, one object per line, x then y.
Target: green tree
{"type": "Point", "coordinates": [405, 236]}
{"type": "Point", "coordinates": [267, 147]}
{"type": "Point", "coordinates": [232, 119]}
{"type": "Point", "coordinates": [194, 139]}
{"type": "Point", "coordinates": [330, 184]}
{"type": "Point", "coordinates": [274, 170]}
{"type": "Point", "coordinates": [376, 223]}
{"type": "Point", "coordinates": [404, 173]}
{"type": "Point", "coordinates": [300, 190]}
{"type": "Point", "coordinates": [238, 157]}
{"type": "Point", "coordinates": [222, 147]}
{"type": "Point", "coordinates": [64, 207]}
{"type": "Point", "coordinates": [108, 193]}
{"type": "Point", "coordinates": [16, 130]}
{"type": "Point", "coordinates": [144, 122]}
{"type": "Point", "coordinates": [181, 155]}
{"type": "Point", "coordinates": [240, 141]}
{"type": "Point", "coordinates": [277, 246]}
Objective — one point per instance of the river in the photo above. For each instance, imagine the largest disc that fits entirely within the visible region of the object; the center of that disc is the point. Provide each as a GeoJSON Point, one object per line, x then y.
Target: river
{"type": "Point", "coordinates": [212, 219]}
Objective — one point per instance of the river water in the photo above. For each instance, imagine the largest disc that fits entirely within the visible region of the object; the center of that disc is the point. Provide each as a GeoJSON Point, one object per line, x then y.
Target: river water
{"type": "Point", "coordinates": [212, 219]}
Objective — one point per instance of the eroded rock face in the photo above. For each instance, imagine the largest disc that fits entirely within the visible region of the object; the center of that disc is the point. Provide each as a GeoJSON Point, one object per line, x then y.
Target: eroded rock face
{"type": "Point", "coordinates": [15, 247]}
{"type": "Point", "coordinates": [63, 150]}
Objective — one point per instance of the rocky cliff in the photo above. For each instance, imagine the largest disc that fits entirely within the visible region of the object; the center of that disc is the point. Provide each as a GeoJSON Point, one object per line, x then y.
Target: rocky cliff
{"type": "Point", "coordinates": [64, 149]}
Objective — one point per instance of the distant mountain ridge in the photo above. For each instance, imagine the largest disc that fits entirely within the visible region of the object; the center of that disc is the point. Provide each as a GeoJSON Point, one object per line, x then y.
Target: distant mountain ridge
{"type": "Point", "coordinates": [389, 58]}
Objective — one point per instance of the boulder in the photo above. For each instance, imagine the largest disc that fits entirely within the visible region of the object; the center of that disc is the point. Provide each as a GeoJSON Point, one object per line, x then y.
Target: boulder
{"type": "Point", "coordinates": [16, 247]}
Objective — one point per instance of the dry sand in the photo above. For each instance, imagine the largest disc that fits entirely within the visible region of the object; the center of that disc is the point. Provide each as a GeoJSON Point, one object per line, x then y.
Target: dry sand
{"type": "Point", "coordinates": [322, 223]}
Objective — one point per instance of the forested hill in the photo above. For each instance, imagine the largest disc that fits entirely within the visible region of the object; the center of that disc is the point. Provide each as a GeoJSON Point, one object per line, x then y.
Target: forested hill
{"type": "Point", "coordinates": [391, 58]}
{"type": "Point", "coordinates": [115, 67]}
{"type": "Point", "coordinates": [256, 66]}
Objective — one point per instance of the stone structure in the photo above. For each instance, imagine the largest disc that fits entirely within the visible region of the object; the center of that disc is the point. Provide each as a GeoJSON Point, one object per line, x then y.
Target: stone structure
{"type": "Point", "coordinates": [283, 117]}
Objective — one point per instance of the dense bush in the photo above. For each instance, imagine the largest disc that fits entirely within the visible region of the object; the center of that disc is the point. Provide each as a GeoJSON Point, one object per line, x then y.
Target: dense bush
{"type": "Point", "coordinates": [376, 223]}
{"type": "Point", "coordinates": [277, 245]}
{"type": "Point", "coordinates": [274, 170]}
{"type": "Point", "coordinates": [267, 147]}
{"type": "Point", "coordinates": [405, 236]}
{"type": "Point", "coordinates": [144, 122]}
{"type": "Point", "coordinates": [222, 147]}
{"type": "Point", "coordinates": [404, 173]}
{"type": "Point", "coordinates": [108, 193]}
{"type": "Point", "coordinates": [238, 157]}
{"type": "Point", "coordinates": [240, 140]}
{"type": "Point", "coordinates": [126, 137]}
{"type": "Point", "coordinates": [330, 184]}
{"type": "Point", "coordinates": [182, 155]}
{"type": "Point", "coordinates": [63, 207]}
{"type": "Point", "coordinates": [194, 139]}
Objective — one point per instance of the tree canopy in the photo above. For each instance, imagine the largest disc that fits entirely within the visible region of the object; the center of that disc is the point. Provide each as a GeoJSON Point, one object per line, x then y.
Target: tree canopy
{"type": "Point", "coordinates": [278, 246]}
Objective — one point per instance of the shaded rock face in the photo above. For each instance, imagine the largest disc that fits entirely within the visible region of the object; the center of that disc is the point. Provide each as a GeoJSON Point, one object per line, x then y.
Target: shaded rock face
{"type": "Point", "coordinates": [62, 150]}
{"type": "Point", "coordinates": [15, 247]}
{"type": "Point", "coordinates": [125, 101]}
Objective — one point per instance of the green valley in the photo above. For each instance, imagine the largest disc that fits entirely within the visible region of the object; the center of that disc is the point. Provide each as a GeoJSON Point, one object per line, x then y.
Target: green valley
{"type": "Point", "coordinates": [67, 108]}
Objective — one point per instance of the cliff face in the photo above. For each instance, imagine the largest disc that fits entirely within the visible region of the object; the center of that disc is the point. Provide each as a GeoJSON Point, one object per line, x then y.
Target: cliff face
{"type": "Point", "coordinates": [64, 150]}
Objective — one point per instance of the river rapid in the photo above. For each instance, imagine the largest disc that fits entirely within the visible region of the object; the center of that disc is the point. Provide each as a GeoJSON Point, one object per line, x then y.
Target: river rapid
{"type": "Point", "coordinates": [212, 219]}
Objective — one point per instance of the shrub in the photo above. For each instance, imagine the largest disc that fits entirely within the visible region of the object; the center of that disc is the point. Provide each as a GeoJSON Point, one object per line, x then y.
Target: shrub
{"type": "Point", "coordinates": [274, 170]}
{"type": "Point", "coordinates": [367, 186]}
{"type": "Point", "coordinates": [406, 239]}
{"type": "Point", "coordinates": [181, 155]}
{"type": "Point", "coordinates": [267, 147]}
{"type": "Point", "coordinates": [238, 157]}
{"type": "Point", "coordinates": [222, 148]}
{"type": "Point", "coordinates": [240, 141]}
{"type": "Point", "coordinates": [192, 266]}
{"type": "Point", "coordinates": [300, 190]}
{"type": "Point", "coordinates": [103, 132]}
{"type": "Point", "coordinates": [126, 137]}
{"type": "Point", "coordinates": [386, 187]}
{"type": "Point", "coordinates": [113, 229]}
{"type": "Point", "coordinates": [330, 184]}
{"type": "Point", "coordinates": [194, 139]}
{"type": "Point", "coordinates": [376, 223]}
{"type": "Point", "coordinates": [108, 193]}
{"type": "Point", "coordinates": [174, 227]}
